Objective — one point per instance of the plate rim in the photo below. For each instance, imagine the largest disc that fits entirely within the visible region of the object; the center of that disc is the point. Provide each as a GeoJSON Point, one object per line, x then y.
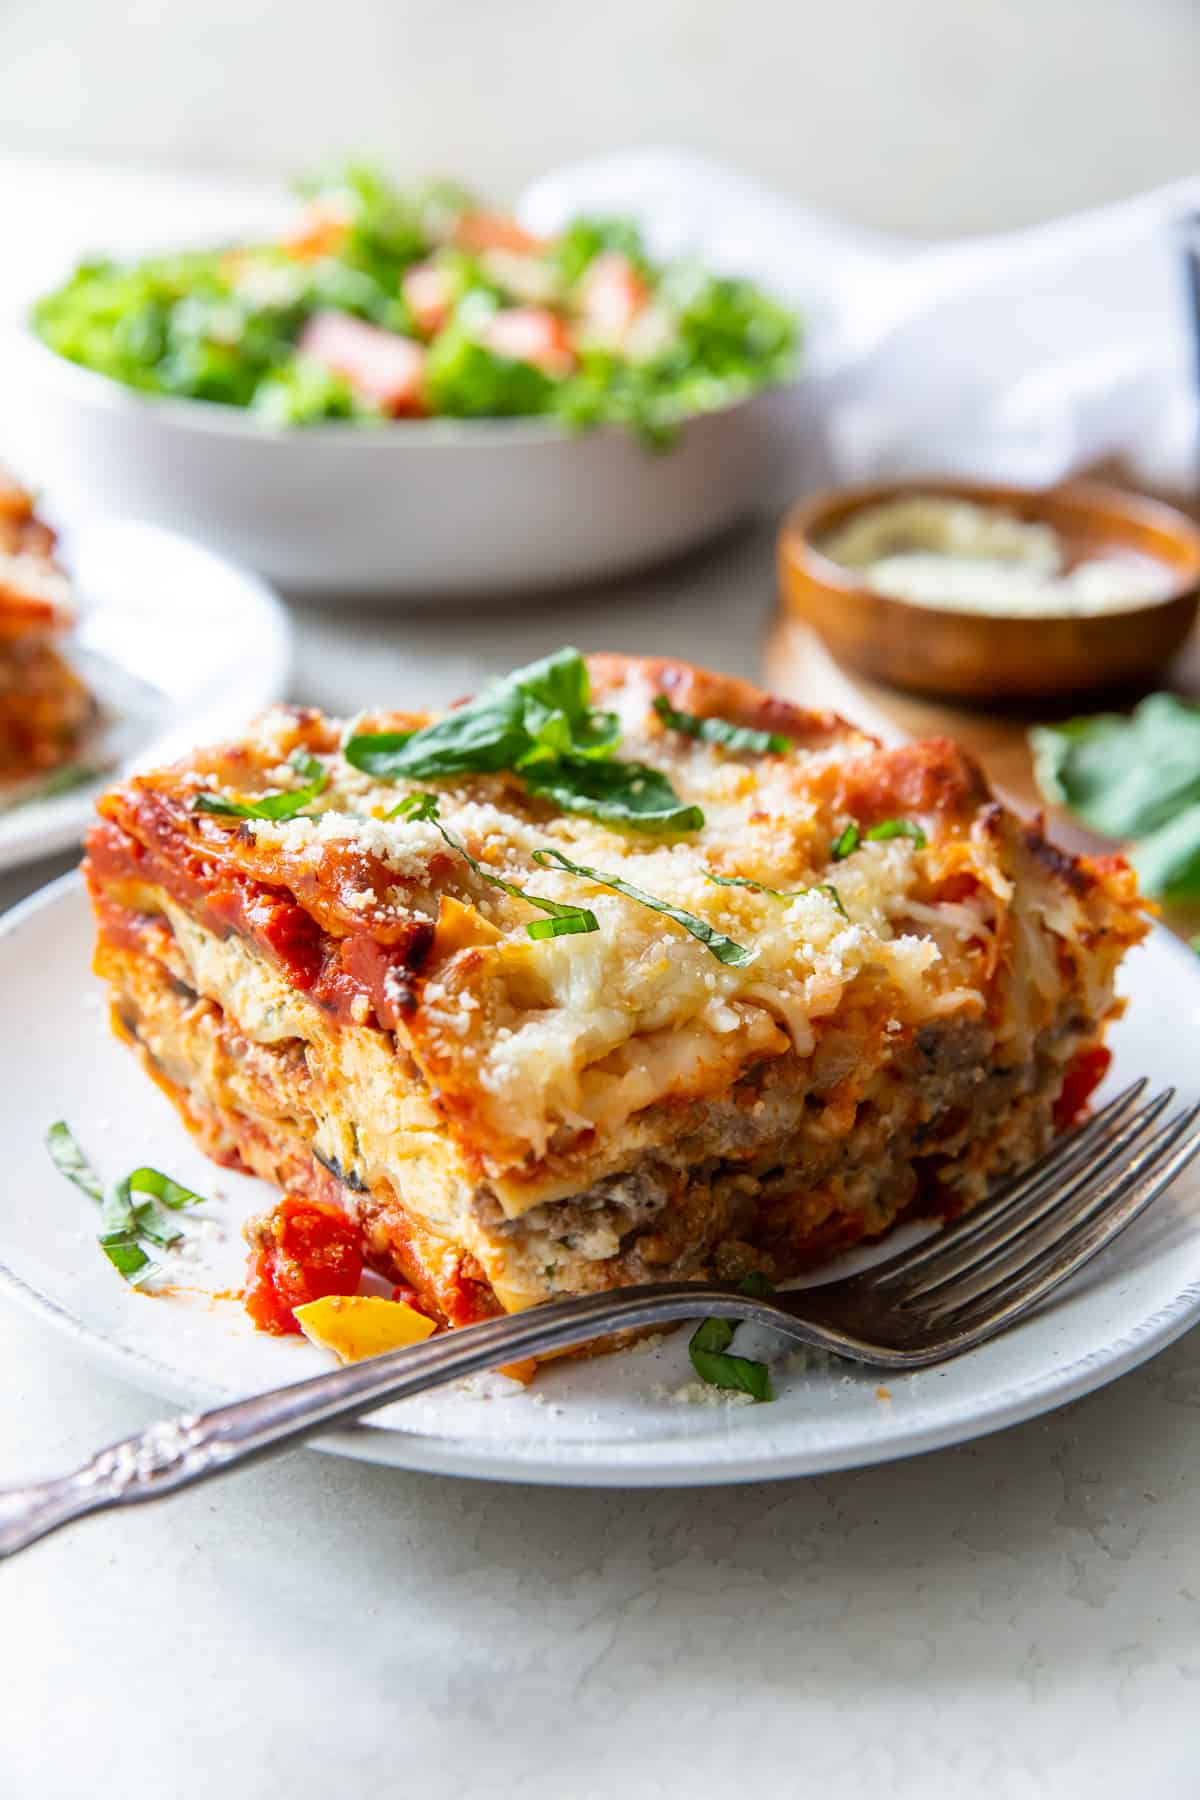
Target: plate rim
{"type": "Point", "coordinates": [1053, 1386]}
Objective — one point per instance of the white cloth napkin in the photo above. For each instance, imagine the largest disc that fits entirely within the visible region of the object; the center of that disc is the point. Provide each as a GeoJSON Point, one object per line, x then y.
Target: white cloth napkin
{"type": "Point", "coordinates": [1020, 357]}
{"type": "Point", "coordinates": [1025, 356]}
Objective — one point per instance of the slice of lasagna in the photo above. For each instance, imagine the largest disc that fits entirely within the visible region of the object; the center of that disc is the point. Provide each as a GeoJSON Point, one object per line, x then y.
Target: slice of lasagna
{"type": "Point", "coordinates": [44, 706]}
{"type": "Point", "coordinates": [621, 972]}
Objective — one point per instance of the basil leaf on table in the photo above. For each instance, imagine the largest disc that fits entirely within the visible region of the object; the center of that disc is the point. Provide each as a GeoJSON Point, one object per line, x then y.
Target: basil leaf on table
{"type": "Point", "coordinates": [1167, 861]}
{"type": "Point", "coordinates": [1123, 776]}
{"type": "Point", "coordinates": [1133, 778]}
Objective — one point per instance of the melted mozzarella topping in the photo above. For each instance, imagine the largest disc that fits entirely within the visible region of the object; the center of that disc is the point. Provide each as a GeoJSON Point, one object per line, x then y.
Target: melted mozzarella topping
{"type": "Point", "coordinates": [583, 1032]}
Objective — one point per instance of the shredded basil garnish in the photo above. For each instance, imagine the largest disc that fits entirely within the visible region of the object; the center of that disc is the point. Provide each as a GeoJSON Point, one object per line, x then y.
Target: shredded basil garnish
{"type": "Point", "coordinates": [167, 1192]}
{"type": "Point", "coordinates": [540, 723]}
{"type": "Point", "coordinates": [123, 1222]}
{"type": "Point", "coordinates": [719, 731]}
{"type": "Point", "coordinates": [284, 804]}
{"type": "Point", "coordinates": [619, 793]}
{"type": "Point", "coordinates": [70, 1161]}
{"type": "Point", "coordinates": [852, 837]}
{"type": "Point", "coordinates": [723, 948]}
{"type": "Point", "coordinates": [894, 828]}
{"type": "Point", "coordinates": [564, 921]}
{"type": "Point", "coordinates": [708, 1350]}
{"type": "Point", "coordinates": [760, 887]}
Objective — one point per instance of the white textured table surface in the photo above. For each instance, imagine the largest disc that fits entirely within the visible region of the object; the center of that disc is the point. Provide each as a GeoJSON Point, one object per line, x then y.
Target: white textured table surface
{"type": "Point", "coordinates": [1017, 1618]}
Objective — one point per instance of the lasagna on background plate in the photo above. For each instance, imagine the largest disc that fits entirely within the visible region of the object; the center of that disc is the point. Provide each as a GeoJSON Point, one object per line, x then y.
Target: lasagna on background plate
{"type": "Point", "coordinates": [623, 971]}
{"type": "Point", "coordinates": [44, 706]}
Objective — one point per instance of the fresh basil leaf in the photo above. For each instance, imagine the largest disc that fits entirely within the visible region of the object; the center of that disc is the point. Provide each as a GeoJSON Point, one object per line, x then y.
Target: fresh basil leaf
{"type": "Point", "coordinates": [282, 805]}
{"type": "Point", "coordinates": [757, 1285]}
{"type": "Point", "coordinates": [618, 793]}
{"type": "Point", "coordinates": [123, 1222]}
{"type": "Point", "coordinates": [759, 887]}
{"type": "Point", "coordinates": [1167, 860]}
{"type": "Point", "coordinates": [713, 1334]}
{"type": "Point", "coordinates": [720, 731]}
{"type": "Point", "coordinates": [70, 1161]}
{"type": "Point", "coordinates": [563, 921]}
{"type": "Point", "coordinates": [169, 1193]}
{"type": "Point", "coordinates": [119, 1233]}
{"type": "Point", "coordinates": [539, 722]}
{"type": "Point", "coordinates": [477, 738]}
{"type": "Point", "coordinates": [539, 712]}
{"type": "Point", "coordinates": [846, 845]}
{"type": "Point", "coordinates": [569, 923]}
{"type": "Point", "coordinates": [723, 948]}
{"type": "Point", "coordinates": [738, 1374]}
{"type": "Point", "coordinates": [155, 1227]}
{"type": "Point", "coordinates": [827, 887]}
{"type": "Point", "coordinates": [894, 828]}
{"type": "Point", "coordinates": [127, 1256]}
{"type": "Point", "coordinates": [1123, 776]}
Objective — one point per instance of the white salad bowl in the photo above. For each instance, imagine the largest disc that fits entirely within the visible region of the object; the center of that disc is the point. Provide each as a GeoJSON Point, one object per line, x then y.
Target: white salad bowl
{"type": "Point", "coordinates": [413, 510]}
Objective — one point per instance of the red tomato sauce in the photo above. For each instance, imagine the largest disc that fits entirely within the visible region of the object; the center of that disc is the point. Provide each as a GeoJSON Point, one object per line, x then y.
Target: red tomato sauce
{"type": "Point", "coordinates": [1082, 1079]}
{"type": "Point", "coordinates": [302, 1251]}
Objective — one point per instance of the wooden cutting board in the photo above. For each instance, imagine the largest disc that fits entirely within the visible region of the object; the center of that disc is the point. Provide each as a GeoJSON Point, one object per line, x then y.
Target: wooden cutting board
{"type": "Point", "coordinates": [799, 667]}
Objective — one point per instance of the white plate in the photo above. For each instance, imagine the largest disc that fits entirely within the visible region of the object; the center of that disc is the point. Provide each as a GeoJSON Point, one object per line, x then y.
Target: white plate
{"type": "Point", "coordinates": [604, 1422]}
{"type": "Point", "coordinates": [180, 646]}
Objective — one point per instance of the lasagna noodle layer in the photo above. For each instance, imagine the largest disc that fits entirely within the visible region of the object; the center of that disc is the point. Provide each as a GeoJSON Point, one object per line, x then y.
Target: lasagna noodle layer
{"type": "Point", "coordinates": [775, 1175]}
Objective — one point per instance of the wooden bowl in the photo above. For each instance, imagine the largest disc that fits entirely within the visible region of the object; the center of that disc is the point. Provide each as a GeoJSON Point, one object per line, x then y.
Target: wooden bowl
{"type": "Point", "coordinates": [988, 657]}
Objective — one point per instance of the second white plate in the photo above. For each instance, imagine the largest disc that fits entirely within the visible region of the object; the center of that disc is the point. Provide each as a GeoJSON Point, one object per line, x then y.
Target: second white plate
{"type": "Point", "coordinates": [180, 646]}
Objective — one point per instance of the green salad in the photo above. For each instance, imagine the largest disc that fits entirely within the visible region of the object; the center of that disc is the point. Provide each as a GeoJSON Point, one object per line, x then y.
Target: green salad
{"type": "Point", "coordinates": [387, 303]}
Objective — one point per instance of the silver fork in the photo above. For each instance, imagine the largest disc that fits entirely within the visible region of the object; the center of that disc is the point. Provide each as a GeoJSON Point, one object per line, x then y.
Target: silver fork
{"type": "Point", "coordinates": [952, 1291]}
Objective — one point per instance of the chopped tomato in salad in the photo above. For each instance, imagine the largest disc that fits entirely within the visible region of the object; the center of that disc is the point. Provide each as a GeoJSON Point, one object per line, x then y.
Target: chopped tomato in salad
{"type": "Point", "coordinates": [383, 369]}
{"type": "Point", "coordinates": [304, 1250]}
{"type": "Point", "coordinates": [386, 303]}
{"type": "Point", "coordinates": [530, 334]}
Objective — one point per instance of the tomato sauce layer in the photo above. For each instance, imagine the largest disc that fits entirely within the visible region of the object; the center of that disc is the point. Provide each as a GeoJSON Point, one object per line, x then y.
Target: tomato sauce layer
{"type": "Point", "coordinates": [336, 973]}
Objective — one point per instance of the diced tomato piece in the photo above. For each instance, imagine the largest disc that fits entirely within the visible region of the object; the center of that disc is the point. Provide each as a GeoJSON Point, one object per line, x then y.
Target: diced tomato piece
{"type": "Point", "coordinates": [302, 1251]}
{"type": "Point", "coordinates": [429, 292]}
{"type": "Point", "coordinates": [320, 231]}
{"type": "Point", "coordinates": [381, 366]}
{"type": "Point", "coordinates": [494, 231]}
{"type": "Point", "coordinates": [612, 295]}
{"type": "Point", "coordinates": [531, 334]}
{"type": "Point", "coordinates": [1082, 1079]}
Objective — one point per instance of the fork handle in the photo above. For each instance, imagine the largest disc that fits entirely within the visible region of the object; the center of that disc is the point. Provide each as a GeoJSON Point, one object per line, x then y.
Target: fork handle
{"type": "Point", "coordinates": [177, 1453]}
